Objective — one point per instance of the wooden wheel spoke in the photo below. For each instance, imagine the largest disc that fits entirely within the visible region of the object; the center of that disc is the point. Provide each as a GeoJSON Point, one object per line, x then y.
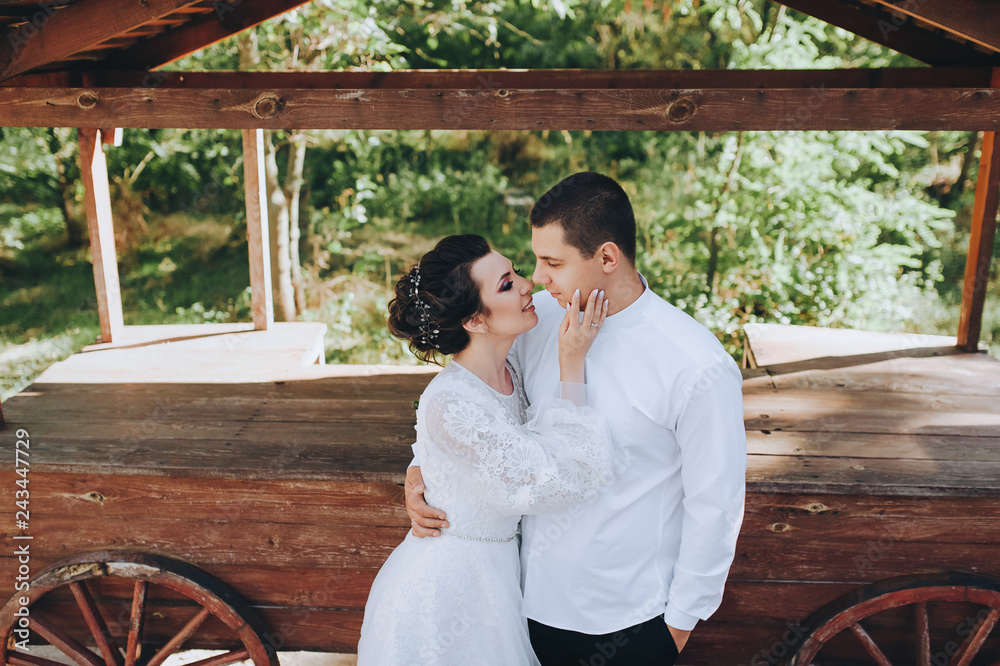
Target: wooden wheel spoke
{"type": "Point", "coordinates": [135, 622]}
{"type": "Point", "coordinates": [222, 659]}
{"type": "Point", "coordinates": [873, 650]}
{"type": "Point", "coordinates": [175, 643]}
{"type": "Point", "coordinates": [923, 635]}
{"type": "Point", "coordinates": [71, 632]}
{"type": "Point", "coordinates": [73, 648]}
{"type": "Point", "coordinates": [975, 640]}
{"type": "Point", "coordinates": [95, 622]}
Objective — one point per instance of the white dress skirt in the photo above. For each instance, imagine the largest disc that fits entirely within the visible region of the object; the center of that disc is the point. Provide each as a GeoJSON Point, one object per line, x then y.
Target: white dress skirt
{"type": "Point", "coordinates": [486, 459]}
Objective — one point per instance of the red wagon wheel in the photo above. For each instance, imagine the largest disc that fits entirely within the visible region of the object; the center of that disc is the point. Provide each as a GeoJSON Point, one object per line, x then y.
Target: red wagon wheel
{"type": "Point", "coordinates": [160, 594]}
{"type": "Point", "coordinates": [943, 619]}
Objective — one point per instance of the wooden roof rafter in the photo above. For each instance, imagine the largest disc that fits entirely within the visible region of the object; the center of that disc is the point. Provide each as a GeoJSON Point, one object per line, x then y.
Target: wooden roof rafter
{"type": "Point", "coordinates": [977, 21]}
{"type": "Point", "coordinates": [226, 20]}
{"type": "Point", "coordinates": [928, 38]}
{"type": "Point", "coordinates": [57, 34]}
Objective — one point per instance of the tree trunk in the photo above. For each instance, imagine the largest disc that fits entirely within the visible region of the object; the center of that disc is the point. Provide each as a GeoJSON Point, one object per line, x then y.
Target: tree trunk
{"type": "Point", "coordinates": [277, 203]}
{"type": "Point", "coordinates": [63, 145]}
{"type": "Point", "coordinates": [278, 235]}
{"type": "Point", "coordinates": [293, 194]}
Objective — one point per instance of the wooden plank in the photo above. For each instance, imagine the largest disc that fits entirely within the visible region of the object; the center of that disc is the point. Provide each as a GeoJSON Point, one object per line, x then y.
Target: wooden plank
{"type": "Point", "coordinates": [984, 225]}
{"type": "Point", "coordinates": [97, 199]}
{"type": "Point", "coordinates": [527, 79]}
{"type": "Point", "coordinates": [903, 36]}
{"type": "Point", "coordinates": [260, 584]}
{"type": "Point", "coordinates": [376, 458]}
{"type": "Point", "coordinates": [867, 476]}
{"type": "Point", "coordinates": [299, 502]}
{"type": "Point", "coordinates": [272, 543]}
{"type": "Point", "coordinates": [937, 521]}
{"type": "Point", "coordinates": [974, 20]}
{"type": "Point", "coordinates": [819, 410]}
{"type": "Point", "coordinates": [226, 20]}
{"type": "Point", "coordinates": [969, 450]}
{"type": "Point", "coordinates": [784, 343]}
{"type": "Point", "coordinates": [75, 28]}
{"type": "Point", "coordinates": [861, 560]}
{"type": "Point", "coordinates": [965, 374]}
{"type": "Point", "coordinates": [619, 109]}
{"type": "Point", "coordinates": [255, 187]}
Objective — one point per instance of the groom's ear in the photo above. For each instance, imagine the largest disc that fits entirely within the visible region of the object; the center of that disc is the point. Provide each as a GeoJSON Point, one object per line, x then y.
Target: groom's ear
{"type": "Point", "coordinates": [610, 255]}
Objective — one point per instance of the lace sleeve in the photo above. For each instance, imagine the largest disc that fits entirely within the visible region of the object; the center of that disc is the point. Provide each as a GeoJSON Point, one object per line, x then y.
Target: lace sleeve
{"type": "Point", "coordinates": [561, 457]}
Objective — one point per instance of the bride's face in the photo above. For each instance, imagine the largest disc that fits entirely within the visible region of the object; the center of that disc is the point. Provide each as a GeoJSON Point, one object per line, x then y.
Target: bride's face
{"type": "Point", "coordinates": [505, 295]}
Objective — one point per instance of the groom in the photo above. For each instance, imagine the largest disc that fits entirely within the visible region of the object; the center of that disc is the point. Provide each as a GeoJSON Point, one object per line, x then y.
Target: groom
{"type": "Point", "coordinates": [624, 578]}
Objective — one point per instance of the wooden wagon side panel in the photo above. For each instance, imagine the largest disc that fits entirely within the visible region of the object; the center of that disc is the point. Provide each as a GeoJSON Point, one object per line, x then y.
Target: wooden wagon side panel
{"type": "Point", "coordinates": [302, 552]}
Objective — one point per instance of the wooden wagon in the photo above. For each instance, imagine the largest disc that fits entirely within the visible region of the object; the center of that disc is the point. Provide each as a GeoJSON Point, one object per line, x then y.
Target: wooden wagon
{"type": "Point", "coordinates": [216, 488]}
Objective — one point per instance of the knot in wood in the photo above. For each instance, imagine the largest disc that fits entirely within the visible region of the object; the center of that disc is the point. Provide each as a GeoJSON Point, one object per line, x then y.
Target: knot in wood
{"type": "Point", "coordinates": [816, 507]}
{"type": "Point", "coordinates": [268, 106]}
{"type": "Point", "coordinates": [681, 110]}
{"type": "Point", "coordinates": [87, 100]}
{"type": "Point", "coordinates": [503, 93]}
{"type": "Point", "coordinates": [780, 527]}
{"type": "Point", "coordinates": [95, 496]}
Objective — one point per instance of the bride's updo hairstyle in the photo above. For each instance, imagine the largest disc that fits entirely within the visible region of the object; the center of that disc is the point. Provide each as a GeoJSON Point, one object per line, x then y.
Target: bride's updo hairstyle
{"type": "Point", "coordinates": [437, 296]}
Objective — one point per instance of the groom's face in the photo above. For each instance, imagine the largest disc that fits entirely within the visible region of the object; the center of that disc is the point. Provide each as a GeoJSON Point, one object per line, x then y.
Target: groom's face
{"type": "Point", "coordinates": [560, 267]}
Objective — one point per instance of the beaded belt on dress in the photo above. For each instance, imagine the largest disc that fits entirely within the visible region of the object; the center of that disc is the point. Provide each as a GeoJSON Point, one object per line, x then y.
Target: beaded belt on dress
{"type": "Point", "coordinates": [475, 538]}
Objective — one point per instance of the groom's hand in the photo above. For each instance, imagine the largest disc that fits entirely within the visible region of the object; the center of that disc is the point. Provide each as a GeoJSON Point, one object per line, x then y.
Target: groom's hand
{"type": "Point", "coordinates": [425, 520]}
{"type": "Point", "coordinates": [680, 637]}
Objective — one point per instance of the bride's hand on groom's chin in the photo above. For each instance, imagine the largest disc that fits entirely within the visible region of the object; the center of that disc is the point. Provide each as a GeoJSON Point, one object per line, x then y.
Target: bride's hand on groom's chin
{"type": "Point", "coordinates": [425, 520]}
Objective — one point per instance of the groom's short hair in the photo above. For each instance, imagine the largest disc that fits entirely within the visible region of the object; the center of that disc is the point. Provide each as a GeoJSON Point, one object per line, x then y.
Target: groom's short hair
{"type": "Point", "coordinates": [592, 210]}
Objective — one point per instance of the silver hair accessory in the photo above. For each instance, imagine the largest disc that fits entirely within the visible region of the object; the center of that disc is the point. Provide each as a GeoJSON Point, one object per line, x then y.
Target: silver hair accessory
{"type": "Point", "coordinates": [428, 335]}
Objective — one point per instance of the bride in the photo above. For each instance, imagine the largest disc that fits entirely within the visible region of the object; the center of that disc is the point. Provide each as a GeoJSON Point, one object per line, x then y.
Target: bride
{"type": "Point", "coordinates": [487, 459]}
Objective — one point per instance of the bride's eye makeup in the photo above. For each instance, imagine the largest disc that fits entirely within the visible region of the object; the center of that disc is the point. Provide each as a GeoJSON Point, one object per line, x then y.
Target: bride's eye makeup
{"type": "Point", "coordinates": [510, 283]}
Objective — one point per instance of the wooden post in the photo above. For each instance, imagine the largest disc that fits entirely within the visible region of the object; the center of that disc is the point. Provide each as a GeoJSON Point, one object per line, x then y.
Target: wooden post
{"type": "Point", "coordinates": [94, 168]}
{"type": "Point", "coordinates": [984, 225]}
{"type": "Point", "coordinates": [261, 299]}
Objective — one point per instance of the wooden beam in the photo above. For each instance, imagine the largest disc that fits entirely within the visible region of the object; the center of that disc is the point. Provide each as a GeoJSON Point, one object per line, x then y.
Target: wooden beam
{"type": "Point", "coordinates": [59, 33]}
{"type": "Point", "coordinates": [983, 232]}
{"type": "Point", "coordinates": [526, 79]}
{"type": "Point", "coordinates": [902, 36]}
{"type": "Point", "coordinates": [506, 109]}
{"type": "Point", "coordinates": [226, 20]}
{"type": "Point", "coordinates": [974, 20]}
{"type": "Point", "coordinates": [94, 169]}
{"type": "Point", "coordinates": [261, 298]}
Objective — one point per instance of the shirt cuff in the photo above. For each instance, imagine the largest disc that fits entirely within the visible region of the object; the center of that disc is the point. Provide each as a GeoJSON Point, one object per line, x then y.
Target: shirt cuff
{"type": "Point", "coordinates": [575, 392]}
{"type": "Point", "coordinates": [416, 459]}
{"type": "Point", "coordinates": [678, 619]}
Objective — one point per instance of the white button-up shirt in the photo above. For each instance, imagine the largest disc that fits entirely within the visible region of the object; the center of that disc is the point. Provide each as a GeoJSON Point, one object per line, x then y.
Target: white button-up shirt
{"type": "Point", "coordinates": [661, 538]}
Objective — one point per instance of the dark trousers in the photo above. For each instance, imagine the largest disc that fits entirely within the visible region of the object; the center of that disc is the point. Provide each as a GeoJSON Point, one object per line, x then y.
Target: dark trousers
{"type": "Point", "coordinates": [646, 644]}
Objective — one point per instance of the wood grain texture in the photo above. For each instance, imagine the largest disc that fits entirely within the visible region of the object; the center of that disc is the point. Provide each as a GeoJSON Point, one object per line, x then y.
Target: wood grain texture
{"type": "Point", "coordinates": [527, 79]}
{"type": "Point", "coordinates": [905, 36]}
{"type": "Point", "coordinates": [984, 225]}
{"type": "Point", "coordinates": [614, 109]}
{"type": "Point", "coordinates": [226, 20]}
{"type": "Point", "coordinates": [97, 200]}
{"type": "Point", "coordinates": [255, 189]}
{"type": "Point", "coordinates": [975, 20]}
{"type": "Point", "coordinates": [74, 29]}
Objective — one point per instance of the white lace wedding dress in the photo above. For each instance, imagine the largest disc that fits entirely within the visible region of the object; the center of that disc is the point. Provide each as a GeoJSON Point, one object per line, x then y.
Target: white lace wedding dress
{"type": "Point", "coordinates": [486, 459]}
